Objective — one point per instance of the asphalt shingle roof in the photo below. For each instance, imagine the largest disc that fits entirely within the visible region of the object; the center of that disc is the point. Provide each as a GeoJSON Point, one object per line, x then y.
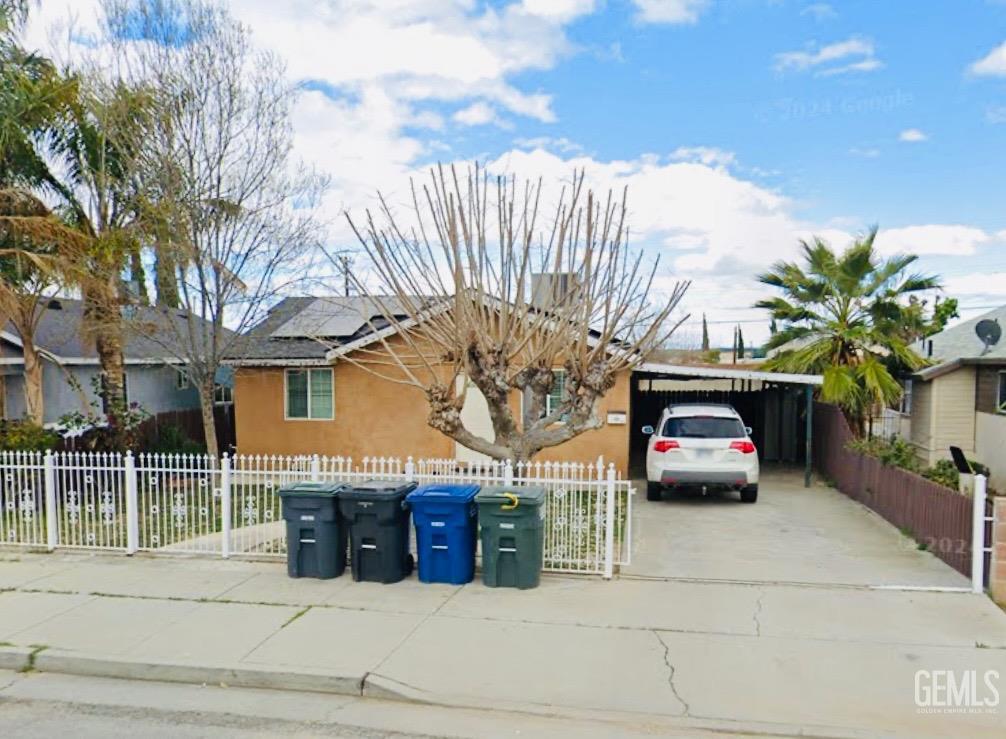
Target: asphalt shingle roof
{"type": "Point", "coordinates": [61, 332]}
{"type": "Point", "coordinates": [960, 343]}
{"type": "Point", "coordinates": [305, 328]}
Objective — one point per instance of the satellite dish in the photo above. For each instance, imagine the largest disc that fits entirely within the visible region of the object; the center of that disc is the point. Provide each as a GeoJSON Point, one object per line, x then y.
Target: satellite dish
{"type": "Point", "coordinates": [989, 331]}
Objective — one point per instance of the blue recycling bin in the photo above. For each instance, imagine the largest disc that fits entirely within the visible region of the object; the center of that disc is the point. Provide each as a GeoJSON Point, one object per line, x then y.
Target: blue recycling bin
{"type": "Point", "coordinates": [446, 523]}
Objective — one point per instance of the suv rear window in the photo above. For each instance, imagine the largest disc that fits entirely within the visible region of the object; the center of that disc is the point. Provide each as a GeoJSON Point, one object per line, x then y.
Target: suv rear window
{"type": "Point", "coordinates": [703, 427]}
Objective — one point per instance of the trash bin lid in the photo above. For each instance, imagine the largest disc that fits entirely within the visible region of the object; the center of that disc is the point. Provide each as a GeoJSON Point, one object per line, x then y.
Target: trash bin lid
{"type": "Point", "coordinates": [378, 489]}
{"type": "Point", "coordinates": [330, 489]}
{"type": "Point", "coordinates": [443, 493]}
{"type": "Point", "coordinates": [530, 496]}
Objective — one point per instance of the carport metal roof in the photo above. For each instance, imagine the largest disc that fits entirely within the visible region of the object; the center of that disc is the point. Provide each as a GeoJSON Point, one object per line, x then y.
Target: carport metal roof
{"type": "Point", "coordinates": [732, 373]}
{"type": "Point", "coordinates": [726, 373]}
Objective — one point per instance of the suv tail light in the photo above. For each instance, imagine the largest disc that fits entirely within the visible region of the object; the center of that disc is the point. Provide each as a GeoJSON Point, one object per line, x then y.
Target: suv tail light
{"type": "Point", "coordinates": [665, 445]}
{"type": "Point", "coordinates": [744, 447]}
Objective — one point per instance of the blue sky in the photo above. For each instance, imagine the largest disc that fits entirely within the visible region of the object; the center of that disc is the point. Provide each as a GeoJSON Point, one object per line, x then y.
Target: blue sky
{"type": "Point", "coordinates": [739, 126]}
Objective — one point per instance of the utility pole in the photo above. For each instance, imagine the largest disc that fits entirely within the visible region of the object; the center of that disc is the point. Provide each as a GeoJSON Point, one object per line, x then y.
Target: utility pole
{"type": "Point", "coordinates": [345, 262]}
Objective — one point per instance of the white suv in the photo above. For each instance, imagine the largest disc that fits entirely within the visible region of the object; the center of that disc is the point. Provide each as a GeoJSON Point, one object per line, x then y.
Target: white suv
{"type": "Point", "coordinates": [701, 446]}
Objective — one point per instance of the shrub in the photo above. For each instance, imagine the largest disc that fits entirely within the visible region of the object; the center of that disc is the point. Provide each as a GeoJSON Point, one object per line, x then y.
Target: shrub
{"type": "Point", "coordinates": [26, 436]}
{"type": "Point", "coordinates": [944, 473]}
{"type": "Point", "coordinates": [171, 439]}
{"type": "Point", "coordinates": [893, 452]}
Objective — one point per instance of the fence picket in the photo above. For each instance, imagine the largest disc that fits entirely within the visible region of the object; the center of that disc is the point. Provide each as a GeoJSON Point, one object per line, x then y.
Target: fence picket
{"type": "Point", "coordinates": [196, 504]}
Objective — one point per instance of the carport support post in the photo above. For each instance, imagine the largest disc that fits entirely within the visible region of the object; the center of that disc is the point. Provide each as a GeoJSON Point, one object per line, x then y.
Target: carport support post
{"type": "Point", "coordinates": [808, 442]}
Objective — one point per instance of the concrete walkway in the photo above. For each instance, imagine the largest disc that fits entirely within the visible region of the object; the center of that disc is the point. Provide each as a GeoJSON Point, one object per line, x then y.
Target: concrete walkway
{"type": "Point", "coordinates": [667, 655]}
{"type": "Point", "coordinates": [792, 534]}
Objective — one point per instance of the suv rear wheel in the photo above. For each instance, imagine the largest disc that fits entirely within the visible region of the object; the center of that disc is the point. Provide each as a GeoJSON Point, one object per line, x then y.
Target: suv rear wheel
{"type": "Point", "coordinates": [654, 491]}
{"type": "Point", "coordinates": [749, 494]}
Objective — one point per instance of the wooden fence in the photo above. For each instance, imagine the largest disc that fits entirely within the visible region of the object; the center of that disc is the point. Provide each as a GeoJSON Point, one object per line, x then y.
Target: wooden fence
{"type": "Point", "coordinates": [936, 516]}
{"type": "Point", "coordinates": [190, 422]}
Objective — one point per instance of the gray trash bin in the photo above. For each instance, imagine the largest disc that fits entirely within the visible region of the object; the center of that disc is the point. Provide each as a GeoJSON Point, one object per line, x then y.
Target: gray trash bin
{"type": "Point", "coordinates": [315, 536]}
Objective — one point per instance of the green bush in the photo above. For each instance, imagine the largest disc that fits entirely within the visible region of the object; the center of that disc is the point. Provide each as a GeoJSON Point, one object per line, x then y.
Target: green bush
{"type": "Point", "coordinates": [893, 452]}
{"type": "Point", "coordinates": [944, 473]}
{"type": "Point", "coordinates": [26, 436]}
{"type": "Point", "coordinates": [171, 439]}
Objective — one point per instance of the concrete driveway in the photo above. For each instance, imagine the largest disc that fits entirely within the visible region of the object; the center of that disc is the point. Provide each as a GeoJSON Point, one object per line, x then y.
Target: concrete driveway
{"type": "Point", "coordinates": [792, 534]}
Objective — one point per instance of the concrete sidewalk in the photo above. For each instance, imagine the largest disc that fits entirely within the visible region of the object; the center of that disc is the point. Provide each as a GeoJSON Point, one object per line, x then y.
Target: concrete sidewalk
{"type": "Point", "coordinates": [828, 661]}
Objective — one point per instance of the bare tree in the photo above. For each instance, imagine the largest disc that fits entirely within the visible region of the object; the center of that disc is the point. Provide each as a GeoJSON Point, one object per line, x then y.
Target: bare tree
{"type": "Point", "coordinates": [226, 207]}
{"type": "Point", "coordinates": [479, 290]}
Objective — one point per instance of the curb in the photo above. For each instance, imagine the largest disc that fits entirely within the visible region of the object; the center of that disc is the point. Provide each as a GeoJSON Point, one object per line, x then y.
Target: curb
{"type": "Point", "coordinates": [15, 658]}
{"type": "Point", "coordinates": [368, 685]}
{"type": "Point", "coordinates": [301, 679]}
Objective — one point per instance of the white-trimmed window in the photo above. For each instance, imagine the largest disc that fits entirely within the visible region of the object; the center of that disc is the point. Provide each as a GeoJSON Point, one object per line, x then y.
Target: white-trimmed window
{"type": "Point", "coordinates": [223, 394]}
{"type": "Point", "coordinates": [555, 397]}
{"type": "Point", "coordinates": [181, 379]}
{"type": "Point", "coordinates": [1001, 394]}
{"type": "Point", "coordinates": [309, 394]}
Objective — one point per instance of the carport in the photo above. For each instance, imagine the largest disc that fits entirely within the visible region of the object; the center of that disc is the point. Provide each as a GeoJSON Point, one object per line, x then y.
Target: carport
{"type": "Point", "coordinates": [777, 406]}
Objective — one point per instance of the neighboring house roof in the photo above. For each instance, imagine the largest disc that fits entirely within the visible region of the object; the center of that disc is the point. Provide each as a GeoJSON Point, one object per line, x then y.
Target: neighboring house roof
{"type": "Point", "coordinates": [60, 335]}
{"type": "Point", "coordinates": [302, 330]}
{"type": "Point", "coordinates": [960, 345]}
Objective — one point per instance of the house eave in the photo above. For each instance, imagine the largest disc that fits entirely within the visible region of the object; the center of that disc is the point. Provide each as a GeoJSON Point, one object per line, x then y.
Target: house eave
{"type": "Point", "coordinates": [277, 362]}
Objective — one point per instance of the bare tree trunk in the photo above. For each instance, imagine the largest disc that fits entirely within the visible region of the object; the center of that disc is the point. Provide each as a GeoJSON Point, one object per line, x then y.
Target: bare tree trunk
{"type": "Point", "coordinates": [33, 400]}
{"type": "Point", "coordinates": [209, 420]}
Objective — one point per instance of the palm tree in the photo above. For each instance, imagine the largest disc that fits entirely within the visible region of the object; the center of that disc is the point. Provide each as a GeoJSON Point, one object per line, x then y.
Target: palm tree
{"type": "Point", "coordinates": [38, 250]}
{"type": "Point", "coordinates": [846, 309]}
{"type": "Point", "coordinates": [74, 142]}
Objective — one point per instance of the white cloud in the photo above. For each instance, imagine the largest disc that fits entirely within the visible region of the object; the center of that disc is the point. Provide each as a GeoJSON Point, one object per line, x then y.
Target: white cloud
{"type": "Point", "coordinates": [551, 143]}
{"type": "Point", "coordinates": [868, 152]}
{"type": "Point", "coordinates": [669, 11]}
{"type": "Point", "coordinates": [865, 65]}
{"type": "Point", "coordinates": [476, 114]}
{"type": "Point", "coordinates": [560, 9]}
{"type": "Point", "coordinates": [857, 53]}
{"type": "Point", "coordinates": [949, 239]}
{"type": "Point", "coordinates": [992, 64]}
{"type": "Point", "coordinates": [708, 155]}
{"type": "Point", "coordinates": [996, 114]}
{"type": "Point", "coordinates": [819, 11]}
{"type": "Point", "coordinates": [446, 50]}
{"type": "Point", "coordinates": [703, 217]}
{"type": "Point", "coordinates": [977, 285]}
{"type": "Point", "coordinates": [912, 136]}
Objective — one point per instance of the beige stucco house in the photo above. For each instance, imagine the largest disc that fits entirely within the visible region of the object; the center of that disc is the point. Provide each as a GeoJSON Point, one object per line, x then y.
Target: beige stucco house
{"type": "Point", "coordinates": [960, 399]}
{"type": "Point", "coordinates": [296, 392]}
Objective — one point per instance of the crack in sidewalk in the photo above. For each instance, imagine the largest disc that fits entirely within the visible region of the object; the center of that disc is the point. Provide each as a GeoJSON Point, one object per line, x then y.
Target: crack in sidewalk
{"type": "Point", "coordinates": [757, 613]}
{"type": "Point", "coordinates": [670, 676]}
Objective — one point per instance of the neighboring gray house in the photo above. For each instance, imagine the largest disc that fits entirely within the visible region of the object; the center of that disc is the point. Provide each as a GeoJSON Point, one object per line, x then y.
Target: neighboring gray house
{"type": "Point", "coordinates": [960, 399]}
{"type": "Point", "coordinates": [70, 362]}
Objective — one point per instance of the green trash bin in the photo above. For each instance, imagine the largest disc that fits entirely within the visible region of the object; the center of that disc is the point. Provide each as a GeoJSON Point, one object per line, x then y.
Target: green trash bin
{"type": "Point", "coordinates": [512, 522]}
{"type": "Point", "coordinates": [315, 535]}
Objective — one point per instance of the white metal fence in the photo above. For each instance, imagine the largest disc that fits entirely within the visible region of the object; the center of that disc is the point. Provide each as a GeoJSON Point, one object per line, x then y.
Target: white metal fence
{"type": "Point", "coordinates": [195, 504]}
